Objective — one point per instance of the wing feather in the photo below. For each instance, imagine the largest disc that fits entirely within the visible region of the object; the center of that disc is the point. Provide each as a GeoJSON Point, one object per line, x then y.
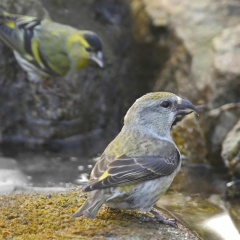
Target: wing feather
{"type": "Point", "coordinates": [129, 170]}
{"type": "Point", "coordinates": [20, 36]}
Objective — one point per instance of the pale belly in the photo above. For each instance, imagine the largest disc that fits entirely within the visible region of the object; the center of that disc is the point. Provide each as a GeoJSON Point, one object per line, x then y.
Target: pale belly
{"type": "Point", "coordinates": [142, 196]}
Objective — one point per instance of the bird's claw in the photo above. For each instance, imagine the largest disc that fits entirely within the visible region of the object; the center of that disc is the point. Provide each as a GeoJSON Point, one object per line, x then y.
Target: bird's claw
{"type": "Point", "coordinates": [158, 218]}
{"type": "Point", "coordinates": [170, 222]}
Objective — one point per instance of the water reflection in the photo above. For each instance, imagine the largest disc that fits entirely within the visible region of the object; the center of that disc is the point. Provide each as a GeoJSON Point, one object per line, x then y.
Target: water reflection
{"type": "Point", "coordinates": [49, 168]}
{"type": "Point", "coordinates": [222, 225]}
{"type": "Point", "coordinates": [11, 177]}
{"type": "Point", "coordinates": [196, 200]}
{"type": "Point", "coordinates": [38, 169]}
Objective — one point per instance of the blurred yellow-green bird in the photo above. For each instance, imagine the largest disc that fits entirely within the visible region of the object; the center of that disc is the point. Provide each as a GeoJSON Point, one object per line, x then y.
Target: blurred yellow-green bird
{"type": "Point", "coordinates": [139, 165]}
{"type": "Point", "coordinates": [44, 48]}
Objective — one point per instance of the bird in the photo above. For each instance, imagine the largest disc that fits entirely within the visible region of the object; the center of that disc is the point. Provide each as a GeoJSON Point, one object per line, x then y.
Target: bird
{"type": "Point", "coordinates": [46, 49]}
{"type": "Point", "coordinates": [139, 165]}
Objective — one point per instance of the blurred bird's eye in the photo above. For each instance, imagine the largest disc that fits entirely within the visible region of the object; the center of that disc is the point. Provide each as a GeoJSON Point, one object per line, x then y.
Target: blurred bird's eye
{"type": "Point", "coordinates": [88, 49]}
{"type": "Point", "coordinates": [165, 104]}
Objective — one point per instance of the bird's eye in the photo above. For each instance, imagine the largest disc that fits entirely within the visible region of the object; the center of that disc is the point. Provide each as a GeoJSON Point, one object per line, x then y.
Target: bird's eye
{"type": "Point", "coordinates": [88, 49]}
{"type": "Point", "coordinates": [165, 104]}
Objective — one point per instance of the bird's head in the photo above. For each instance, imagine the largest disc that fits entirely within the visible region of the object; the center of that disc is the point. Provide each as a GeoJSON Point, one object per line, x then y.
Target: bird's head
{"type": "Point", "coordinates": [93, 48]}
{"type": "Point", "coordinates": [84, 47]}
{"type": "Point", "coordinates": [157, 111]}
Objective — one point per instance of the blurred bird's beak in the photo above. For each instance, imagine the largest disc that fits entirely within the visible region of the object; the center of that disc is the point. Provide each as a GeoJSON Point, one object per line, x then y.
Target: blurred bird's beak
{"type": "Point", "coordinates": [97, 58]}
{"type": "Point", "coordinates": [185, 107]}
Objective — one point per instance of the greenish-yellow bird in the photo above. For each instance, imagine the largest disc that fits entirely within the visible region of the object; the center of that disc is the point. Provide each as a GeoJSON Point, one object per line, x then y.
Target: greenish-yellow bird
{"type": "Point", "coordinates": [44, 48]}
{"type": "Point", "coordinates": [139, 165]}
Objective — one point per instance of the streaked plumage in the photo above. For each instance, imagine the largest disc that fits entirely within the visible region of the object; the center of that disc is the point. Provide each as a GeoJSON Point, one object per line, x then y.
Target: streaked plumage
{"type": "Point", "coordinates": [139, 165]}
{"type": "Point", "coordinates": [44, 48]}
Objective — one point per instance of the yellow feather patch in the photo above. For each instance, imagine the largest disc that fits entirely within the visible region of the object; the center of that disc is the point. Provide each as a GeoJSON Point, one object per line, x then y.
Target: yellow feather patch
{"type": "Point", "coordinates": [105, 174]}
{"type": "Point", "coordinates": [76, 50]}
{"type": "Point", "coordinates": [77, 38]}
{"type": "Point", "coordinates": [36, 52]}
{"type": "Point", "coordinates": [127, 188]}
{"type": "Point", "coordinates": [10, 24]}
{"type": "Point", "coordinates": [156, 95]}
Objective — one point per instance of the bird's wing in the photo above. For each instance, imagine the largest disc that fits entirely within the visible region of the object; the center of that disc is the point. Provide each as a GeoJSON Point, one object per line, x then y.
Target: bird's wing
{"type": "Point", "coordinates": [19, 33]}
{"type": "Point", "coordinates": [130, 170]}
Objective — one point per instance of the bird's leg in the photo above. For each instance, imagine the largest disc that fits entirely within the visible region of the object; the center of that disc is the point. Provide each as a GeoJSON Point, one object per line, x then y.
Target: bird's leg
{"type": "Point", "coordinates": [113, 210]}
{"type": "Point", "coordinates": [159, 218]}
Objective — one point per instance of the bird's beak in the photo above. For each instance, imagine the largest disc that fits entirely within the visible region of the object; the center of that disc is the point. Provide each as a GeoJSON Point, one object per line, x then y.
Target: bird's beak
{"type": "Point", "coordinates": [97, 58]}
{"type": "Point", "coordinates": [185, 107]}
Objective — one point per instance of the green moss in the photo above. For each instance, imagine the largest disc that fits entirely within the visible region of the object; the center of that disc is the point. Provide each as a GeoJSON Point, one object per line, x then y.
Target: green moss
{"type": "Point", "coordinates": [47, 216]}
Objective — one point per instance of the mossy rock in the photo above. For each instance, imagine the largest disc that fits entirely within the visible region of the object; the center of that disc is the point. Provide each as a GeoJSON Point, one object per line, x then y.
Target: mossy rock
{"type": "Point", "coordinates": [47, 216]}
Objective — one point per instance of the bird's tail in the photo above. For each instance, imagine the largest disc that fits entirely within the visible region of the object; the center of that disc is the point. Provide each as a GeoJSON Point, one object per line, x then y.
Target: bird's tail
{"type": "Point", "coordinates": [7, 28]}
{"type": "Point", "coordinates": [92, 205]}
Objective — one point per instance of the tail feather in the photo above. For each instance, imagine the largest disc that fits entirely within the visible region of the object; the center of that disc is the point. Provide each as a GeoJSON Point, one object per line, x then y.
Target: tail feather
{"type": "Point", "coordinates": [8, 31]}
{"type": "Point", "coordinates": [92, 205]}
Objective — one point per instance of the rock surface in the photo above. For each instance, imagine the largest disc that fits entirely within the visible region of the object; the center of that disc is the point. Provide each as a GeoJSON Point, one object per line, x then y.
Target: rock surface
{"type": "Point", "coordinates": [194, 27]}
{"type": "Point", "coordinates": [226, 64]}
{"type": "Point", "coordinates": [47, 216]}
{"type": "Point", "coordinates": [189, 138]}
{"type": "Point", "coordinates": [216, 125]}
{"type": "Point", "coordinates": [187, 47]}
{"type": "Point", "coordinates": [87, 105]}
{"type": "Point", "coordinates": [202, 38]}
{"type": "Point", "coordinates": [231, 150]}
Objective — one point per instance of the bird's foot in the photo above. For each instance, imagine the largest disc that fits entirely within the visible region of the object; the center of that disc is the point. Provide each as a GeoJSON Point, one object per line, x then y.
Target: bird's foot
{"type": "Point", "coordinates": [113, 210]}
{"type": "Point", "coordinates": [159, 218]}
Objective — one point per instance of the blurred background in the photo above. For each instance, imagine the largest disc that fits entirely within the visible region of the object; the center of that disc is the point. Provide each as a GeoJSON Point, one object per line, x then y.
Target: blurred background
{"type": "Point", "coordinates": [191, 48]}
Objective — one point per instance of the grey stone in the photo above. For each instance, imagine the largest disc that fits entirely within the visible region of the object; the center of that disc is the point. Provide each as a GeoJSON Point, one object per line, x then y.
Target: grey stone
{"type": "Point", "coordinates": [231, 150]}
{"type": "Point", "coordinates": [216, 125]}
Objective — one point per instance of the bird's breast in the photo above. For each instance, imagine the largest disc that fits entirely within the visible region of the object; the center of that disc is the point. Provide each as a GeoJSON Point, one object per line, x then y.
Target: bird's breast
{"type": "Point", "coordinates": [140, 196]}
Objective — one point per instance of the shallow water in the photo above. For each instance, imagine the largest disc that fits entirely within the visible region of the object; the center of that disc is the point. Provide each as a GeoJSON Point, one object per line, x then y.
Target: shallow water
{"type": "Point", "coordinates": [44, 168]}
{"type": "Point", "coordinates": [195, 198]}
